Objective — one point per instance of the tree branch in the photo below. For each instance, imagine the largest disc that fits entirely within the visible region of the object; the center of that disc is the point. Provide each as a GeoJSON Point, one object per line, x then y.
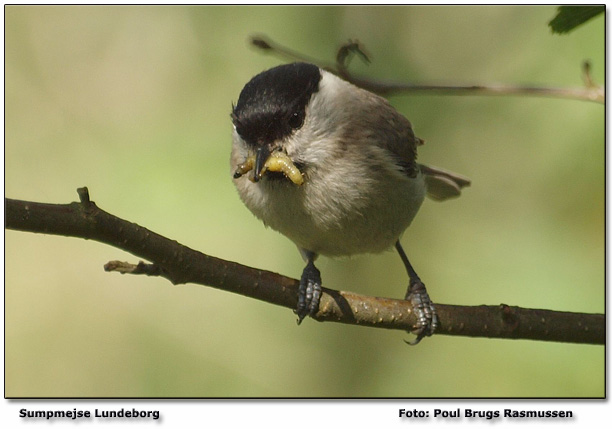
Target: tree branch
{"type": "Point", "coordinates": [180, 264]}
{"type": "Point", "coordinates": [590, 92]}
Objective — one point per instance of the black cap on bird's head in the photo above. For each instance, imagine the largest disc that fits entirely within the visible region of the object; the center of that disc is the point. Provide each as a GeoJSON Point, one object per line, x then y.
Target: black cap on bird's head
{"type": "Point", "coordinates": [273, 104]}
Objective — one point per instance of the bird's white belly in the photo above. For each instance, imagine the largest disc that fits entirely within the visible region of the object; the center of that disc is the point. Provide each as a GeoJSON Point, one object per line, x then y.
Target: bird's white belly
{"type": "Point", "coordinates": [337, 220]}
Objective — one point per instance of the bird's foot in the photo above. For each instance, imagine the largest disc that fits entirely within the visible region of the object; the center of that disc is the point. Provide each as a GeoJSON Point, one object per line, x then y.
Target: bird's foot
{"type": "Point", "coordinates": [427, 318]}
{"type": "Point", "coordinates": [309, 293]}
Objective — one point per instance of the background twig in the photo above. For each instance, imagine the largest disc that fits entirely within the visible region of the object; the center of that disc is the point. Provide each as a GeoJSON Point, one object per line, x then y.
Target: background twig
{"type": "Point", "coordinates": [180, 264]}
{"type": "Point", "coordinates": [588, 93]}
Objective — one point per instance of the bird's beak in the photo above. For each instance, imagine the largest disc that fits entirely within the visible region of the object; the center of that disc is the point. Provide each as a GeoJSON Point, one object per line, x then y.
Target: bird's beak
{"type": "Point", "coordinates": [261, 157]}
{"type": "Point", "coordinates": [265, 159]}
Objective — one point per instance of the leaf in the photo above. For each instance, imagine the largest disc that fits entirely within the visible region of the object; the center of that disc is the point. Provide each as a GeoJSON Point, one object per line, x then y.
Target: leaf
{"type": "Point", "coordinates": [570, 17]}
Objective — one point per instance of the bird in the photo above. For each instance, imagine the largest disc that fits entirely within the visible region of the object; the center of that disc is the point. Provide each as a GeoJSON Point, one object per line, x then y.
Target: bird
{"type": "Point", "coordinates": [333, 167]}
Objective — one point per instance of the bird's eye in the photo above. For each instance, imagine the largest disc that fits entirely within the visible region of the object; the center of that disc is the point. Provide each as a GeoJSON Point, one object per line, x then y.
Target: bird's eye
{"type": "Point", "coordinates": [296, 120]}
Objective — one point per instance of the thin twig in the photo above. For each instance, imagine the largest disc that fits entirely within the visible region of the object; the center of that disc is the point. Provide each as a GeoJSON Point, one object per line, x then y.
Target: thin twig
{"type": "Point", "coordinates": [180, 264]}
{"type": "Point", "coordinates": [589, 93]}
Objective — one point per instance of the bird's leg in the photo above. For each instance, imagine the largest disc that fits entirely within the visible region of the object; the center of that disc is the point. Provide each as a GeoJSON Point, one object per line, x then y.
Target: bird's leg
{"type": "Point", "coordinates": [309, 293]}
{"type": "Point", "coordinates": [427, 319]}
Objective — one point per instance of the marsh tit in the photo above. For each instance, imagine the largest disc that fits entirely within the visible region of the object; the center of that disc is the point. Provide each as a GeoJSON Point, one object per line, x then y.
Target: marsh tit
{"type": "Point", "coordinates": [332, 167]}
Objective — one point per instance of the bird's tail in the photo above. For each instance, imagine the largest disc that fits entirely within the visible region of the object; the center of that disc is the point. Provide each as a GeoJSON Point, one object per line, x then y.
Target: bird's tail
{"type": "Point", "coordinates": [442, 184]}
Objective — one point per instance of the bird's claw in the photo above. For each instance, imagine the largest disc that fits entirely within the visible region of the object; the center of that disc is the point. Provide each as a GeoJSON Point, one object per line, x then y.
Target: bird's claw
{"type": "Point", "coordinates": [427, 318]}
{"type": "Point", "coordinates": [309, 292]}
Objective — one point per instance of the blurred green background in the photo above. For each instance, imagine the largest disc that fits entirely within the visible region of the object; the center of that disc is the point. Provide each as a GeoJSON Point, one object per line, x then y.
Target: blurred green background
{"type": "Point", "coordinates": [134, 103]}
